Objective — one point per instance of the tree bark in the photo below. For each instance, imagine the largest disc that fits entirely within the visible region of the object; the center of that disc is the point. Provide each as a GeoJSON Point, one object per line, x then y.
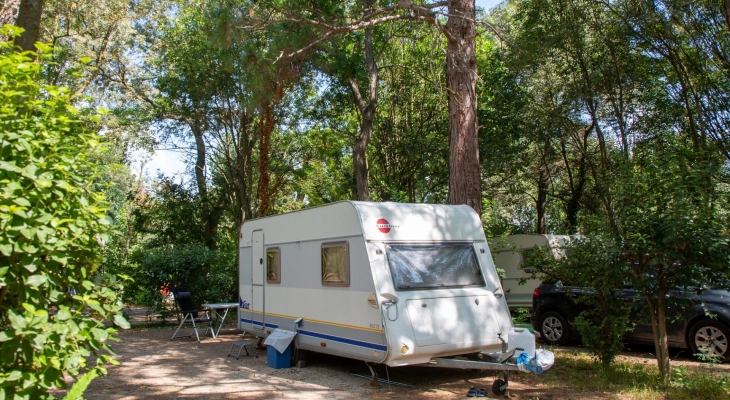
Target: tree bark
{"type": "Point", "coordinates": [543, 182]}
{"type": "Point", "coordinates": [266, 128]}
{"type": "Point", "coordinates": [657, 309]}
{"type": "Point", "coordinates": [199, 159]}
{"type": "Point", "coordinates": [210, 217]}
{"type": "Point", "coordinates": [576, 184]}
{"type": "Point", "coordinates": [29, 18]}
{"type": "Point", "coordinates": [367, 113]}
{"type": "Point", "coordinates": [465, 185]}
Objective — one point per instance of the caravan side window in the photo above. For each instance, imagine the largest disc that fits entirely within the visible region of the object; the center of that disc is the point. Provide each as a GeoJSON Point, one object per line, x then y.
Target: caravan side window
{"type": "Point", "coordinates": [273, 265]}
{"type": "Point", "coordinates": [335, 264]}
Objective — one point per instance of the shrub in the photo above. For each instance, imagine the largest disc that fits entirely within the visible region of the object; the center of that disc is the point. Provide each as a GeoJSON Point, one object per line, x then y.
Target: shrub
{"type": "Point", "coordinates": [210, 275]}
{"type": "Point", "coordinates": [52, 226]}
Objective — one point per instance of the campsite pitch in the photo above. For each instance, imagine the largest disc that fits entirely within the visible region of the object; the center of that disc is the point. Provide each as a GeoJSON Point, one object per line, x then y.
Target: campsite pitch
{"type": "Point", "coordinates": [152, 366]}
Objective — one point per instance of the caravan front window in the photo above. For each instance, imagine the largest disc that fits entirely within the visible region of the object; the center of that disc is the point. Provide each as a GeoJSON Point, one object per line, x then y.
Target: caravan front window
{"type": "Point", "coordinates": [433, 266]}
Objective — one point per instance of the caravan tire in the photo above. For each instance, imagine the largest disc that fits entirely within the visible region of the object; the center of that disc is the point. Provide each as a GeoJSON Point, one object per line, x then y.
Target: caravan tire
{"type": "Point", "coordinates": [554, 328]}
{"type": "Point", "coordinates": [298, 354]}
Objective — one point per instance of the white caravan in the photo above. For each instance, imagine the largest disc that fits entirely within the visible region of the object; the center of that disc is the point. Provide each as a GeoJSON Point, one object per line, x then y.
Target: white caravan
{"type": "Point", "coordinates": [507, 253]}
{"type": "Point", "coordinates": [388, 283]}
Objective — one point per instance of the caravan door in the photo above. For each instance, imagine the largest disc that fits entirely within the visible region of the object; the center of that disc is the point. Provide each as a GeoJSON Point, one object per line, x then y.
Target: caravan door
{"type": "Point", "coordinates": [257, 279]}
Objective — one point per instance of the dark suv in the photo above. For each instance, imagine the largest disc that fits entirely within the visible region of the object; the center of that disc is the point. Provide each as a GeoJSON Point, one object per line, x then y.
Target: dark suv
{"type": "Point", "coordinates": [554, 309]}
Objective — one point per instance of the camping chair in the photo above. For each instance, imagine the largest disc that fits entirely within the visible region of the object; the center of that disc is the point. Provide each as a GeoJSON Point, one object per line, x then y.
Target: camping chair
{"type": "Point", "coordinates": [185, 302]}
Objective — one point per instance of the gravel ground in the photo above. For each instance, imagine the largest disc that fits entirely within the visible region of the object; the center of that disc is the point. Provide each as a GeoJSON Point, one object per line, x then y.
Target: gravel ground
{"type": "Point", "coordinates": [154, 366]}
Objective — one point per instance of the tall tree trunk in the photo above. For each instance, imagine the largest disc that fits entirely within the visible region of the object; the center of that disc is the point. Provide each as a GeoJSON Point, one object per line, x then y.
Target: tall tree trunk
{"type": "Point", "coordinates": [543, 182]}
{"type": "Point", "coordinates": [210, 219]}
{"type": "Point", "coordinates": [576, 184]}
{"type": "Point", "coordinates": [130, 211]}
{"type": "Point", "coordinates": [266, 128]}
{"type": "Point", "coordinates": [465, 185]}
{"type": "Point", "coordinates": [367, 112]}
{"type": "Point", "coordinates": [29, 18]}
{"type": "Point", "coordinates": [199, 159]}
{"type": "Point", "coordinates": [657, 309]}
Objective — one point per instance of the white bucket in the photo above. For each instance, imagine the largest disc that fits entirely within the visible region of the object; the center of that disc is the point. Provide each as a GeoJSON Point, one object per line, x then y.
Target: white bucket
{"type": "Point", "coordinates": [522, 338]}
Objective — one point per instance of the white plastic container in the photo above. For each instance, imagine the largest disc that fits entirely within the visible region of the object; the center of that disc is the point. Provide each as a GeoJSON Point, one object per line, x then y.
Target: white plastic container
{"type": "Point", "coordinates": [522, 338]}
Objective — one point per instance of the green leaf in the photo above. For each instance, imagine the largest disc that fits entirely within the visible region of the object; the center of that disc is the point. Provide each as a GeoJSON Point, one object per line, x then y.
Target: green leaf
{"type": "Point", "coordinates": [43, 48]}
{"type": "Point", "coordinates": [100, 334]}
{"type": "Point", "coordinates": [121, 322]}
{"type": "Point", "coordinates": [21, 202]}
{"type": "Point", "coordinates": [6, 249]}
{"type": "Point", "coordinates": [14, 376]}
{"type": "Point", "coordinates": [94, 305]}
{"type": "Point", "coordinates": [78, 389]}
{"type": "Point", "coordinates": [18, 321]}
{"type": "Point", "coordinates": [27, 232]}
{"type": "Point", "coordinates": [63, 313]}
{"type": "Point", "coordinates": [36, 280]}
{"type": "Point", "coordinates": [9, 166]}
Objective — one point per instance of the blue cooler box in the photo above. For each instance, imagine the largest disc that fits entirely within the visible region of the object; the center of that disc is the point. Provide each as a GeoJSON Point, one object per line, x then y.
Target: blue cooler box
{"type": "Point", "coordinates": [276, 360]}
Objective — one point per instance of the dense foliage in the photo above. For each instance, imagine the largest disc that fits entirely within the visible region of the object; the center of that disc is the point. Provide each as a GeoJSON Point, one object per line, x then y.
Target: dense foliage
{"type": "Point", "coordinates": [53, 224]}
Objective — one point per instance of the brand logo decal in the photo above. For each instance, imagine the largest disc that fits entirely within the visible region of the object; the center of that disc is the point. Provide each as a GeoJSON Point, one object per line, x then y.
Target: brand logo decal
{"type": "Point", "coordinates": [384, 226]}
{"type": "Point", "coordinates": [243, 303]}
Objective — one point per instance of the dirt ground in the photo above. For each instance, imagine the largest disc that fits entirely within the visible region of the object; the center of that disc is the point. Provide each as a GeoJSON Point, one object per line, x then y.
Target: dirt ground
{"type": "Point", "coordinates": [154, 366]}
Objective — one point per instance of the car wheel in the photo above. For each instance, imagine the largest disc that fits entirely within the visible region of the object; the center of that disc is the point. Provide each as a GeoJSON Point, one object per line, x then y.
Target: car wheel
{"type": "Point", "coordinates": [554, 328]}
{"type": "Point", "coordinates": [710, 337]}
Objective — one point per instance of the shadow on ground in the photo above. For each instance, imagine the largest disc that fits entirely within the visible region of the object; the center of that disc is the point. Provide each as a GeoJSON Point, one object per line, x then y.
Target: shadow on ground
{"type": "Point", "coordinates": [154, 366]}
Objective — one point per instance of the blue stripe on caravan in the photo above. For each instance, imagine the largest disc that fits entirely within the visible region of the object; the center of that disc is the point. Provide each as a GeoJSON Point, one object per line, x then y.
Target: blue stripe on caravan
{"type": "Point", "coordinates": [344, 340]}
{"type": "Point", "coordinates": [252, 322]}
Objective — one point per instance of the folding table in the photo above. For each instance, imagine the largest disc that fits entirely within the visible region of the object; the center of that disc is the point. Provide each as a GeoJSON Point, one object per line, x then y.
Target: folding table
{"type": "Point", "coordinates": [214, 307]}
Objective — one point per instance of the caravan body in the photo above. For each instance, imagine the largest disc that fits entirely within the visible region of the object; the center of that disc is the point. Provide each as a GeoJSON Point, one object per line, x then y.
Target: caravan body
{"type": "Point", "coordinates": [518, 282]}
{"type": "Point", "coordinates": [380, 282]}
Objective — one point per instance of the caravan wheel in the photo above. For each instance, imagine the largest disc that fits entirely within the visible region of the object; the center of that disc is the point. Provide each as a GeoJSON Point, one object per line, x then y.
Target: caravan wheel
{"type": "Point", "coordinates": [298, 354]}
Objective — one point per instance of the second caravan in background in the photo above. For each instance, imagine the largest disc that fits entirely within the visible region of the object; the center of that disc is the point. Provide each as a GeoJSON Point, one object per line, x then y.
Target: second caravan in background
{"type": "Point", "coordinates": [507, 253]}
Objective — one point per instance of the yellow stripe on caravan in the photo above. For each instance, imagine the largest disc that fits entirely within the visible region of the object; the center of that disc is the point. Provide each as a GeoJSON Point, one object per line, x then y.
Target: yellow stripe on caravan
{"type": "Point", "coordinates": [362, 328]}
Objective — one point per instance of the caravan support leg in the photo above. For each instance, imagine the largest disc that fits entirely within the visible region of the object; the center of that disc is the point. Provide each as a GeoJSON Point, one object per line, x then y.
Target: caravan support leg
{"type": "Point", "coordinates": [374, 380]}
{"type": "Point", "coordinates": [499, 387]}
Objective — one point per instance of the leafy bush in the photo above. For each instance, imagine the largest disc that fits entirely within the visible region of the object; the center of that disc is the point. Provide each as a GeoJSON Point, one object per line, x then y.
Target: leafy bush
{"type": "Point", "coordinates": [596, 265]}
{"type": "Point", "coordinates": [52, 225]}
{"type": "Point", "coordinates": [210, 275]}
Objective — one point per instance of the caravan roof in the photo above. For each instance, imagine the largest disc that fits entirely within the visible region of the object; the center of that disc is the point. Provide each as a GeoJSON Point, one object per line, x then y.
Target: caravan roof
{"type": "Point", "coordinates": [375, 221]}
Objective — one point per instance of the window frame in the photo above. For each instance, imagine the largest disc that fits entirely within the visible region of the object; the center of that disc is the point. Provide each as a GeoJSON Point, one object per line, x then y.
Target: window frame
{"type": "Point", "coordinates": [278, 251]}
{"type": "Point", "coordinates": [326, 245]}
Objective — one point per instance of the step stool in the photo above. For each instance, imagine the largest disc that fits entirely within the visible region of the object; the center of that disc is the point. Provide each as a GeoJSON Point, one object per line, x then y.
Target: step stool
{"type": "Point", "coordinates": [242, 345]}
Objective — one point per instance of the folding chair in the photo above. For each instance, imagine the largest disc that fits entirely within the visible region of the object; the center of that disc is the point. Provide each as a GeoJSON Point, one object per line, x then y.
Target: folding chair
{"type": "Point", "coordinates": [185, 302]}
